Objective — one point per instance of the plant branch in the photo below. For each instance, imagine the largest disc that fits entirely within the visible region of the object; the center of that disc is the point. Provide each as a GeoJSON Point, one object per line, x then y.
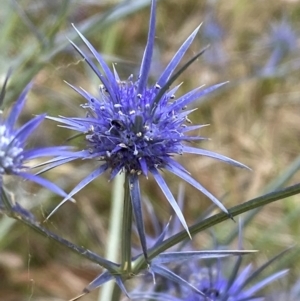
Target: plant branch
{"type": "Point", "coordinates": [19, 213]}
{"type": "Point", "coordinates": [216, 219]}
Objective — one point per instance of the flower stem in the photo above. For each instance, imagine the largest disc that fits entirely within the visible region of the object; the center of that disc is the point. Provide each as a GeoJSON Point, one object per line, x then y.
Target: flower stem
{"type": "Point", "coordinates": [275, 184]}
{"type": "Point", "coordinates": [126, 230]}
{"type": "Point", "coordinates": [260, 201]}
{"type": "Point", "coordinates": [220, 217]}
{"type": "Point", "coordinates": [114, 235]}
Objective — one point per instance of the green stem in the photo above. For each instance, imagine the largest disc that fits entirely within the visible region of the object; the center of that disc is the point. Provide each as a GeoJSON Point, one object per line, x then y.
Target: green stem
{"type": "Point", "coordinates": [114, 234]}
{"type": "Point", "coordinates": [260, 201]}
{"type": "Point", "coordinates": [110, 266]}
{"type": "Point", "coordinates": [116, 294]}
{"type": "Point", "coordinates": [275, 184]}
{"type": "Point", "coordinates": [126, 230]}
{"type": "Point", "coordinates": [26, 217]}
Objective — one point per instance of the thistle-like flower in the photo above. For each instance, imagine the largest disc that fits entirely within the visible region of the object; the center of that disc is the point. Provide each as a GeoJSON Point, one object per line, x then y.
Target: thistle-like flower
{"type": "Point", "coordinates": [237, 286]}
{"type": "Point", "coordinates": [137, 128]}
{"type": "Point", "coordinates": [13, 153]}
{"type": "Point", "coordinates": [283, 41]}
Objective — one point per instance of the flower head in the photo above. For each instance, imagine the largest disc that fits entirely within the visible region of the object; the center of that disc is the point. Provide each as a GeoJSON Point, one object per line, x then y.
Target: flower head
{"type": "Point", "coordinates": [138, 128]}
{"type": "Point", "coordinates": [283, 41]}
{"type": "Point", "coordinates": [213, 282]}
{"type": "Point", "coordinates": [13, 153]}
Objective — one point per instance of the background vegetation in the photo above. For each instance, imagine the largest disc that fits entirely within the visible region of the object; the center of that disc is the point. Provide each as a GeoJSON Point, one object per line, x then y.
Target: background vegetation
{"type": "Point", "coordinates": [253, 119]}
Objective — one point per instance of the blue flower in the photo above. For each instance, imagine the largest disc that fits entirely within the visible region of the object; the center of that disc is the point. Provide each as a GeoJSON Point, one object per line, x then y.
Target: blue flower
{"type": "Point", "coordinates": [137, 128]}
{"type": "Point", "coordinates": [13, 153]}
{"type": "Point", "coordinates": [216, 286]}
{"type": "Point", "coordinates": [283, 42]}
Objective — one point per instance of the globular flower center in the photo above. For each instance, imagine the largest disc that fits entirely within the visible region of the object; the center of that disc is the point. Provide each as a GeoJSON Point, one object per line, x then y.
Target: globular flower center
{"type": "Point", "coordinates": [129, 133]}
{"type": "Point", "coordinates": [9, 152]}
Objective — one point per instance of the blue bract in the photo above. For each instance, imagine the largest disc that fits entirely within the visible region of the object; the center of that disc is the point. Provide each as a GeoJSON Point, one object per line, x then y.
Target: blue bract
{"type": "Point", "coordinates": [13, 152]}
{"type": "Point", "coordinates": [138, 128]}
{"type": "Point", "coordinates": [212, 283]}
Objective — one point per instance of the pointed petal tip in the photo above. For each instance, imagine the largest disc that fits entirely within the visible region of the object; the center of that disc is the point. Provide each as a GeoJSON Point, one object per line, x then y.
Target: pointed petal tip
{"type": "Point", "coordinates": [204, 48]}
{"type": "Point", "coordinates": [148, 52]}
{"type": "Point", "coordinates": [58, 206]}
{"type": "Point", "coordinates": [73, 25]}
{"type": "Point", "coordinates": [79, 296]}
{"type": "Point", "coordinates": [240, 165]}
{"type": "Point", "coordinates": [197, 29]}
{"type": "Point", "coordinates": [168, 194]}
{"type": "Point", "coordinates": [70, 42]}
{"type": "Point", "coordinates": [77, 30]}
{"type": "Point", "coordinates": [231, 217]}
{"type": "Point", "coordinates": [4, 85]}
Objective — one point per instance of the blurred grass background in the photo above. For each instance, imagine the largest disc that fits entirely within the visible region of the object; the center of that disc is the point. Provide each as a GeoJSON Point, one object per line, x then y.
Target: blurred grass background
{"type": "Point", "coordinates": [254, 119]}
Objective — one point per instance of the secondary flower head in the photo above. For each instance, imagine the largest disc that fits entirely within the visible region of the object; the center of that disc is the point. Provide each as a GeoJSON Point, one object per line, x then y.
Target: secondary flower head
{"type": "Point", "coordinates": [13, 153]}
{"type": "Point", "coordinates": [137, 128]}
{"type": "Point", "coordinates": [235, 287]}
{"type": "Point", "coordinates": [283, 42]}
